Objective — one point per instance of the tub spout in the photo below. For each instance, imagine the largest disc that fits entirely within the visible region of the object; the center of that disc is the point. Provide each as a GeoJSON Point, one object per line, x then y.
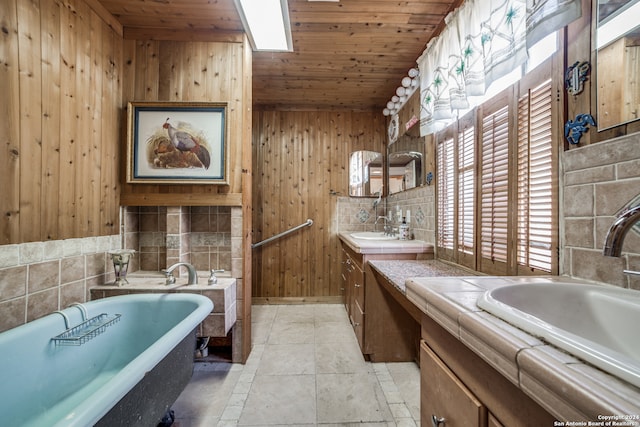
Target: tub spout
{"type": "Point", "coordinates": [193, 276]}
{"type": "Point", "coordinates": [619, 229]}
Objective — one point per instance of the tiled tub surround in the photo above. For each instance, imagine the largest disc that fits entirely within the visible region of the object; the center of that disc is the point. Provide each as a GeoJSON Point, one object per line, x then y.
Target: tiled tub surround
{"type": "Point", "coordinates": [223, 295]}
{"type": "Point", "coordinates": [41, 277]}
{"type": "Point", "coordinates": [209, 237]}
{"type": "Point", "coordinates": [568, 388]}
{"type": "Point", "coordinates": [599, 179]}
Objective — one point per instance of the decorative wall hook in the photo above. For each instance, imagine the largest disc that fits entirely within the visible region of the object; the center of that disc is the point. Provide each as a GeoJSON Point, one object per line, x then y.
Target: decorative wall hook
{"type": "Point", "coordinates": [429, 178]}
{"type": "Point", "coordinates": [573, 130]}
{"type": "Point", "coordinates": [576, 76]}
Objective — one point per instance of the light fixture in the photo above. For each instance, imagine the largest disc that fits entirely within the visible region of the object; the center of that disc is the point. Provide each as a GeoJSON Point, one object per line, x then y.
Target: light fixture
{"type": "Point", "coordinates": [409, 85]}
{"type": "Point", "coordinates": [266, 23]}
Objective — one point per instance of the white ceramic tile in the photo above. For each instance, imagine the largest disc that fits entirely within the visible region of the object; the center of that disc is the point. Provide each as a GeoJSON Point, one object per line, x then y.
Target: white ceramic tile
{"type": "Point", "coordinates": [287, 359]}
{"type": "Point", "coordinates": [307, 370]}
{"type": "Point", "coordinates": [350, 398]}
{"type": "Point", "coordinates": [336, 332]}
{"type": "Point", "coordinates": [339, 358]}
{"type": "Point", "coordinates": [291, 333]}
{"type": "Point", "coordinates": [295, 314]}
{"type": "Point", "coordinates": [329, 313]}
{"type": "Point", "coordinates": [280, 399]}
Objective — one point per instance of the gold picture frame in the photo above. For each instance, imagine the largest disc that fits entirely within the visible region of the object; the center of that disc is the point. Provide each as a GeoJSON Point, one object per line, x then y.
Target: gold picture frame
{"type": "Point", "coordinates": [176, 143]}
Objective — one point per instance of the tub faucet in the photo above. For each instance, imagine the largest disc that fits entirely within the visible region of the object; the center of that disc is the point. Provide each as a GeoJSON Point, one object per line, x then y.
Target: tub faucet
{"type": "Point", "coordinates": [193, 276]}
{"type": "Point", "coordinates": [619, 229]}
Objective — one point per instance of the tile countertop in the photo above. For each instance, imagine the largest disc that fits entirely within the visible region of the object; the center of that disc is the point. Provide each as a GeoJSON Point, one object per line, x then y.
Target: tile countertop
{"type": "Point", "coordinates": [363, 246]}
{"type": "Point", "coordinates": [568, 388]}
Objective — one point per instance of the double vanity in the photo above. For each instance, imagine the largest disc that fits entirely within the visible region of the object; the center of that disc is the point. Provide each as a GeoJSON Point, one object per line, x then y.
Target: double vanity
{"type": "Point", "coordinates": [495, 351]}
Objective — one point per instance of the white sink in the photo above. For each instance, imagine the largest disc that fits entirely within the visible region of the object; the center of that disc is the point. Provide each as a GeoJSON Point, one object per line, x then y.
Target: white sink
{"type": "Point", "coordinates": [372, 235]}
{"type": "Point", "coordinates": [595, 323]}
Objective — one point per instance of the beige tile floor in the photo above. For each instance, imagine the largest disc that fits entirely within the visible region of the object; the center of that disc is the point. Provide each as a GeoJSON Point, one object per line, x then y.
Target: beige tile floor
{"type": "Point", "coordinates": [305, 369]}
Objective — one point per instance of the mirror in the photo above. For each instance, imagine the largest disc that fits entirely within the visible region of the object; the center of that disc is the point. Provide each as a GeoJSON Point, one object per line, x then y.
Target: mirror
{"type": "Point", "coordinates": [405, 170]}
{"type": "Point", "coordinates": [406, 163]}
{"type": "Point", "coordinates": [365, 174]}
{"type": "Point", "coordinates": [617, 48]}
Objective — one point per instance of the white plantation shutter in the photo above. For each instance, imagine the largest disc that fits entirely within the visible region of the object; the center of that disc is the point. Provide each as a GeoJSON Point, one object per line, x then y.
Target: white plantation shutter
{"type": "Point", "coordinates": [536, 202]}
{"type": "Point", "coordinates": [466, 190]}
{"type": "Point", "coordinates": [445, 177]}
{"type": "Point", "coordinates": [494, 193]}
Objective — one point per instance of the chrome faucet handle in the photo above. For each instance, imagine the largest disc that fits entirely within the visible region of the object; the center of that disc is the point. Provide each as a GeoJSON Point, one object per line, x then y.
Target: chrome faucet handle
{"type": "Point", "coordinates": [169, 277]}
{"type": "Point", "coordinates": [213, 279]}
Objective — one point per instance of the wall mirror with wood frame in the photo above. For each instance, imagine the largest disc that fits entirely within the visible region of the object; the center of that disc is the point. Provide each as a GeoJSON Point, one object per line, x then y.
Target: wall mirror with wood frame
{"type": "Point", "coordinates": [366, 178]}
{"type": "Point", "coordinates": [617, 62]}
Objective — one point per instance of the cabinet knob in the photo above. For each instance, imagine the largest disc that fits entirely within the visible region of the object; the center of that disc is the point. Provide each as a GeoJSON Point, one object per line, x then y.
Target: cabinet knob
{"type": "Point", "coordinates": [437, 422]}
{"type": "Point", "coordinates": [356, 285]}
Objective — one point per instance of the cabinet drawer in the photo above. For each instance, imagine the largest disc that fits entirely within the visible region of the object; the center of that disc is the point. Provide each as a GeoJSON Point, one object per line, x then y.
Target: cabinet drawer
{"type": "Point", "coordinates": [443, 395]}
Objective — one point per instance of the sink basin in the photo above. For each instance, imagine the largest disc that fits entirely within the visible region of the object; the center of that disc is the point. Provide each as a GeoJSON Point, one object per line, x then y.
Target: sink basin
{"type": "Point", "coordinates": [372, 235]}
{"type": "Point", "coordinates": [595, 323]}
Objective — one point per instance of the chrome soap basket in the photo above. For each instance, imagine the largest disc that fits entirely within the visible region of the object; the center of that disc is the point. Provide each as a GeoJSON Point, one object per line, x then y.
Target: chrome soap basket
{"type": "Point", "coordinates": [86, 330]}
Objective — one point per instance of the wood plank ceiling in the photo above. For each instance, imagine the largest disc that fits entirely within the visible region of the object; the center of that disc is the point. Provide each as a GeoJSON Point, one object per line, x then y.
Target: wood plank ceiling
{"type": "Point", "coordinates": [348, 55]}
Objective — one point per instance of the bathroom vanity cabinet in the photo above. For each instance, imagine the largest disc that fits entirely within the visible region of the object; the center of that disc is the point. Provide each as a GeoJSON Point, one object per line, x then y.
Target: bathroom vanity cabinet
{"type": "Point", "coordinates": [457, 385]}
{"type": "Point", "coordinates": [381, 326]}
{"type": "Point", "coordinates": [444, 396]}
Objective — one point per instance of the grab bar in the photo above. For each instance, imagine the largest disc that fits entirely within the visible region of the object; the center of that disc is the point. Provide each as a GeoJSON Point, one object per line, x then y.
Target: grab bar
{"type": "Point", "coordinates": [308, 223]}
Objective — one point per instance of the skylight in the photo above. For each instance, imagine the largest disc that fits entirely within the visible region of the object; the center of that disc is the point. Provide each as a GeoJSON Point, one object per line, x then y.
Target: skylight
{"type": "Point", "coordinates": [266, 23]}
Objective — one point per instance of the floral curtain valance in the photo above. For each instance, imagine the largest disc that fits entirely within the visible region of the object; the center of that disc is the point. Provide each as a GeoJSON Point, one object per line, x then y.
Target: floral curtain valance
{"type": "Point", "coordinates": [483, 41]}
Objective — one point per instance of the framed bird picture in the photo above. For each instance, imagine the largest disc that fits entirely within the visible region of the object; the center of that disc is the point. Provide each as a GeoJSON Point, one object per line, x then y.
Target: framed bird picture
{"type": "Point", "coordinates": [176, 143]}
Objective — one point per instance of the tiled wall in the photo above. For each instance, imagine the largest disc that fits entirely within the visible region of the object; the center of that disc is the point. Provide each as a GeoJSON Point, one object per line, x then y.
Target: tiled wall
{"type": "Point", "coordinates": [599, 179]}
{"type": "Point", "coordinates": [40, 277]}
{"type": "Point", "coordinates": [199, 235]}
{"type": "Point", "coordinates": [421, 202]}
{"type": "Point", "coordinates": [358, 214]}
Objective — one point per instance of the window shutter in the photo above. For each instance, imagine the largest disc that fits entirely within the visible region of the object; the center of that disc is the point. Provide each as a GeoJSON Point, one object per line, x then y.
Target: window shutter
{"type": "Point", "coordinates": [494, 193]}
{"type": "Point", "coordinates": [536, 207]}
{"type": "Point", "coordinates": [466, 189]}
{"type": "Point", "coordinates": [445, 158]}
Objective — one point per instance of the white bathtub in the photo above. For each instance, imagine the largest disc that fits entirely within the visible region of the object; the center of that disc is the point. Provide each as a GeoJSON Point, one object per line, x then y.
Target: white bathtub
{"type": "Point", "coordinates": [128, 375]}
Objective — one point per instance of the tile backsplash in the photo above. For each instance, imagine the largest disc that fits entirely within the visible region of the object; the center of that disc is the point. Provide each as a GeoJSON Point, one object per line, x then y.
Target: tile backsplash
{"type": "Point", "coordinates": [358, 214]}
{"type": "Point", "coordinates": [201, 235]}
{"type": "Point", "coordinates": [598, 180]}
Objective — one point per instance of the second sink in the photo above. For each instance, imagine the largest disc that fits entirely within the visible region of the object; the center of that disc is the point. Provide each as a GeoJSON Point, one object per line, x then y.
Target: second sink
{"type": "Point", "coordinates": [372, 235]}
{"type": "Point", "coordinates": [595, 323]}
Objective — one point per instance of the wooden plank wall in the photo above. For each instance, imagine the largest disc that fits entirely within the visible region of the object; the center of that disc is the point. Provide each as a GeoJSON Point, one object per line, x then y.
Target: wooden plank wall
{"type": "Point", "coordinates": [580, 42]}
{"type": "Point", "coordinates": [300, 162]}
{"type": "Point", "coordinates": [203, 71]}
{"type": "Point", "coordinates": [59, 121]}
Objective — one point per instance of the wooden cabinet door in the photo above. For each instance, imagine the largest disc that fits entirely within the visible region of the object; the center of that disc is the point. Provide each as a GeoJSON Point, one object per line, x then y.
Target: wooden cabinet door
{"type": "Point", "coordinates": [358, 285]}
{"type": "Point", "coordinates": [444, 397]}
{"type": "Point", "coordinates": [493, 421]}
{"type": "Point", "coordinates": [347, 267]}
